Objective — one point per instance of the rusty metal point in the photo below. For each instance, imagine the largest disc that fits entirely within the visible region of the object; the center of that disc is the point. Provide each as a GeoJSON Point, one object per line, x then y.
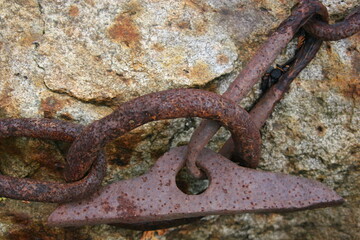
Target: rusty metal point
{"type": "Point", "coordinates": [155, 197]}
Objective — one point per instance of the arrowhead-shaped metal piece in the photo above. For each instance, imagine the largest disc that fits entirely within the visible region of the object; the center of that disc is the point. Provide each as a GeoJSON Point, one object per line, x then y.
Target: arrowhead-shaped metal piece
{"type": "Point", "coordinates": [154, 196]}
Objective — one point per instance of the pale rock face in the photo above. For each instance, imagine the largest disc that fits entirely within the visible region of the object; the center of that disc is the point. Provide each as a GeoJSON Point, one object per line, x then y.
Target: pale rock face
{"type": "Point", "coordinates": [77, 60]}
{"type": "Point", "coordinates": [120, 49]}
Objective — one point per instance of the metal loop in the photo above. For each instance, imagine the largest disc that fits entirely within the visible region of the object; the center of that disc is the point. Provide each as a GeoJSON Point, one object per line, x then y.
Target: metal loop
{"type": "Point", "coordinates": [332, 32]}
{"type": "Point", "coordinates": [164, 105]}
{"type": "Point", "coordinates": [41, 191]}
{"type": "Point", "coordinates": [253, 72]}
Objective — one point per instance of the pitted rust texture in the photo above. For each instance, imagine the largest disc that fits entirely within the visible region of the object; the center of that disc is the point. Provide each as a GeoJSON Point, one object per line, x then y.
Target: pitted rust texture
{"type": "Point", "coordinates": [154, 196]}
{"type": "Point", "coordinates": [164, 105]}
{"type": "Point", "coordinates": [33, 190]}
{"type": "Point", "coordinates": [40, 128]}
{"type": "Point", "coordinates": [271, 48]}
{"type": "Point", "coordinates": [346, 28]}
{"type": "Point", "coordinates": [253, 71]}
{"type": "Point", "coordinates": [153, 200]}
{"type": "Point", "coordinates": [264, 107]}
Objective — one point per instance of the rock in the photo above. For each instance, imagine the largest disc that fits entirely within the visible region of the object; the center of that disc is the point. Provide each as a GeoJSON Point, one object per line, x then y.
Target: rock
{"type": "Point", "coordinates": [77, 60]}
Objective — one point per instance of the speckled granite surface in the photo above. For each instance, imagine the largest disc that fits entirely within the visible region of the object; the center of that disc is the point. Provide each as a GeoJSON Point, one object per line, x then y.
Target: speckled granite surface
{"type": "Point", "coordinates": [77, 60]}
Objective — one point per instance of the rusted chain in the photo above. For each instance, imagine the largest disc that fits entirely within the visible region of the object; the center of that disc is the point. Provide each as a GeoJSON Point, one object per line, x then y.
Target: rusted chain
{"type": "Point", "coordinates": [264, 107]}
{"type": "Point", "coordinates": [40, 191]}
{"type": "Point", "coordinates": [163, 105]}
{"type": "Point", "coordinates": [86, 155]}
{"type": "Point", "coordinates": [324, 31]}
{"type": "Point", "coordinates": [253, 71]}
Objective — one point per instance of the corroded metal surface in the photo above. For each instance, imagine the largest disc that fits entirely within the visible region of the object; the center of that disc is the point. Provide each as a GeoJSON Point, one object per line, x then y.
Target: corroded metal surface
{"type": "Point", "coordinates": [153, 200]}
{"type": "Point", "coordinates": [264, 107]}
{"type": "Point", "coordinates": [164, 105]}
{"type": "Point", "coordinates": [254, 70]}
{"type": "Point", "coordinates": [154, 196]}
{"type": "Point", "coordinates": [33, 190]}
{"type": "Point", "coordinates": [346, 28]}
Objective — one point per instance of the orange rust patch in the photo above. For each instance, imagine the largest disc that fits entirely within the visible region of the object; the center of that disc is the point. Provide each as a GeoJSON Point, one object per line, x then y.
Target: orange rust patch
{"type": "Point", "coordinates": [195, 27]}
{"type": "Point", "coordinates": [346, 80]}
{"type": "Point", "coordinates": [74, 11]}
{"type": "Point", "coordinates": [28, 39]}
{"type": "Point", "coordinates": [158, 47]}
{"type": "Point", "coordinates": [347, 84]}
{"type": "Point", "coordinates": [351, 89]}
{"type": "Point", "coordinates": [201, 27]}
{"type": "Point", "coordinates": [10, 147]}
{"type": "Point", "coordinates": [195, 5]}
{"type": "Point", "coordinates": [124, 31]}
{"type": "Point", "coordinates": [6, 101]}
{"type": "Point", "coordinates": [49, 158]}
{"type": "Point", "coordinates": [50, 106]}
{"type": "Point", "coordinates": [200, 73]}
{"type": "Point", "coordinates": [120, 151]}
{"type": "Point", "coordinates": [184, 25]}
{"type": "Point", "coordinates": [124, 79]}
{"type": "Point", "coordinates": [131, 140]}
{"type": "Point", "coordinates": [222, 59]}
{"type": "Point", "coordinates": [344, 77]}
{"type": "Point", "coordinates": [23, 228]}
{"type": "Point", "coordinates": [1, 45]}
{"type": "Point", "coordinates": [151, 235]}
{"type": "Point", "coordinates": [132, 8]}
{"type": "Point", "coordinates": [90, 2]}
{"type": "Point", "coordinates": [27, 3]}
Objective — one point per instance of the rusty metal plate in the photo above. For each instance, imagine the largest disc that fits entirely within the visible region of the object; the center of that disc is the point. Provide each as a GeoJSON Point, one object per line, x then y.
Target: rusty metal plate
{"type": "Point", "coordinates": [154, 196]}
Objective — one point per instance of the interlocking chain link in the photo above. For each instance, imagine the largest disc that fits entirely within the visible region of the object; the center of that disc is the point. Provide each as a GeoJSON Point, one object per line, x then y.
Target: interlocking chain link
{"type": "Point", "coordinates": [86, 165]}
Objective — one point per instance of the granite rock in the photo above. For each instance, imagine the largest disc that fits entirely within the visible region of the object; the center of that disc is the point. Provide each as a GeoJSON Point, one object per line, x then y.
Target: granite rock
{"type": "Point", "coordinates": [77, 60]}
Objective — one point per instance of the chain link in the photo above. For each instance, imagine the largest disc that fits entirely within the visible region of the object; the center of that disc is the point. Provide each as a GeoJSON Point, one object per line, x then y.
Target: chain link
{"type": "Point", "coordinates": [86, 165]}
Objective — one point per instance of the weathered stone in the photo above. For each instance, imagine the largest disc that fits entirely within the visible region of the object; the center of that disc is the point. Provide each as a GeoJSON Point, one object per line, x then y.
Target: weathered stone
{"type": "Point", "coordinates": [77, 60]}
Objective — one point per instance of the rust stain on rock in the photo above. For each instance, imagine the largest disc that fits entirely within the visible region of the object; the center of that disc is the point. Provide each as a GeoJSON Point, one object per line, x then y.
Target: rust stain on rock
{"type": "Point", "coordinates": [10, 147]}
{"type": "Point", "coordinates": [120, 151]}
{"type": "Point", "coordinates": [74, 11]}
{"type": "Point", "coordinates": [131, 140]}
{"type": "Point", "coordinates": [120, 76]}
{"type": "Point", "coordinates": [195, 26]}
{"type": "Point", "coordinates": [222, 59]}
{"type": "Point", "coordinates": [201, 27]}
{"type": "Point", "coordinates": [352, 89]}
{"type": "Point", "coordinates": [184, 25]}
{"type": "Point", "coordinates": [158, 47]}
{"type": "Point", "coordinates": [196, 5]}
{"type": "Point", "coordinates": [344, 77]}
{"type": "Point", "coordinates": [127, 81]}
{"type": "Point", "coordinates": [28, 39]}
{"type": "Point", "coordinates": [18, 217]}
{"type": "Point", "coordinates": [124, 31]}
{"type": "Point", "coordinates": [48, 156]}
{"type": "Point", "coordinates": [5, 95]}
{"type": "Point", "coordinates": [90, 2]}
{"type": "Point", "coordinates": [50, 106]}
{"type": "Point", "coordinates": [27, 3]}
{"type": "Point", "coordinates": [347, 83]}
{"type": "Point", "coordinates": [200, 73]}
{"type": "Point", "coordinates": [23, 227]}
